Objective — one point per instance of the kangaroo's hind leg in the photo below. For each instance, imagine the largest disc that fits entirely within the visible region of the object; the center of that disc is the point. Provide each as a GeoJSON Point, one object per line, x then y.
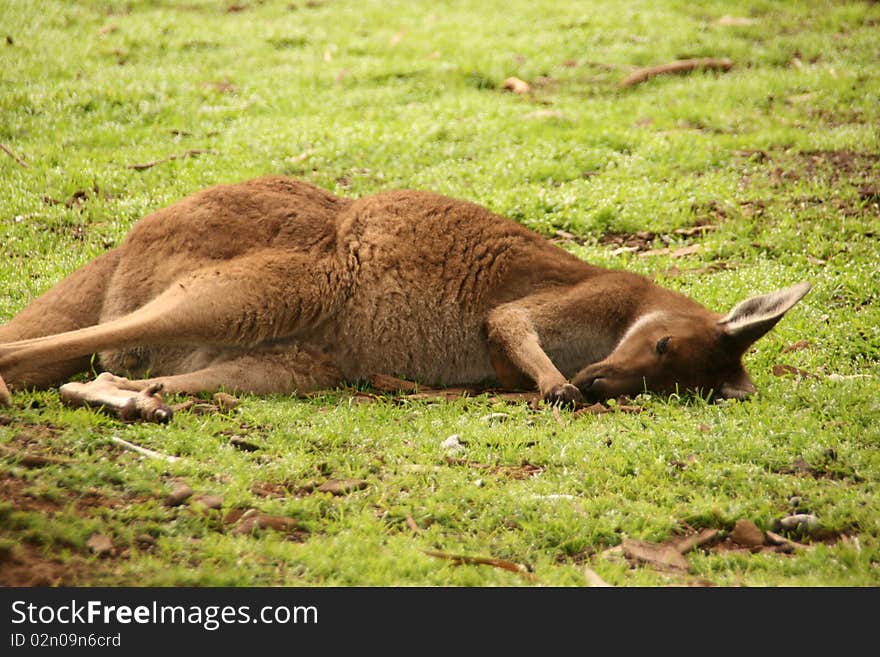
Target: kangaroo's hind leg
{"type": "Point", "coordinates": [236, 307]}
{"type": "Point", "coordinates": [72, 304]}
{"type": "Point", "coordinates": [283, 369]}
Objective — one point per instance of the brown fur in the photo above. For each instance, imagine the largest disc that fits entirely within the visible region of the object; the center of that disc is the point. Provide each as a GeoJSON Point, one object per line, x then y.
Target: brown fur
{"type": "Point", "coordinates": [274, 285]}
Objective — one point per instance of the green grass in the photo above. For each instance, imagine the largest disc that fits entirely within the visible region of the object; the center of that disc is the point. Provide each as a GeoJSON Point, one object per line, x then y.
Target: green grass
{"type": "Point", "coordinates": [781, 154]}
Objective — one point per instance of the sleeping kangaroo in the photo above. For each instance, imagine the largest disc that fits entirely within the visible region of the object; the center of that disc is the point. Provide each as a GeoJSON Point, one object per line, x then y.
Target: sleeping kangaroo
{"type": "Point", "coordinates": [276, 286]}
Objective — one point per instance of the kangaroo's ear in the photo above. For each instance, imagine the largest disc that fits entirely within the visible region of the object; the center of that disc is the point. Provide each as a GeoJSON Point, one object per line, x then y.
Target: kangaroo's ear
{"type": "Point", "coordinates": [752, 318]}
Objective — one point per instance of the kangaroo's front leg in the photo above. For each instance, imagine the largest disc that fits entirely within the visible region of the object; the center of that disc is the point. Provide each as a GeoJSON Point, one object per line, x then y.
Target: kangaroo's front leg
{"type": "Point", "coordinates": [116, 395]}
{"type": "Point", "coordinates": [515, 345]}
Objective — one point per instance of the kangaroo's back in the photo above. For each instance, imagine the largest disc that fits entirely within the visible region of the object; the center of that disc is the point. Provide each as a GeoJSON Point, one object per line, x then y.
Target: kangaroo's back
{"type": "Point", "coordinates": [219, 224]}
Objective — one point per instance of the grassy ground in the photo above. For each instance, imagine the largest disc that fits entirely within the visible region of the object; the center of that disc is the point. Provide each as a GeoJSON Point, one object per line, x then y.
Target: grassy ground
{"type": "Point", "coordinates": [779, 155]}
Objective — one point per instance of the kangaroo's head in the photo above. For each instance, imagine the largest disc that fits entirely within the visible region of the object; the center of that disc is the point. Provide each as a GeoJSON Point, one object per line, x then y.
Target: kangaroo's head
{"type": "Point", "coordinates": [668, 351]}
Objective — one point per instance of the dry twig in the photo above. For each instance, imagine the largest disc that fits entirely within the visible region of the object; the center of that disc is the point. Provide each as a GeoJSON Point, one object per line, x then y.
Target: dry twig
{"type": "Point", "coordinates": [143, 450]}
{"type": "Point", "coordinates": [679, 66]}
{"type": "Point", "coordinates": [460, 559]}
{"type": "Point", "coordinates": [15, 157]}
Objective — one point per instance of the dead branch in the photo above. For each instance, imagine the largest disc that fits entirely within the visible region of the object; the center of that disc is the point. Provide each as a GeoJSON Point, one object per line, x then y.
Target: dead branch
{"type": "Point", "coordinates": [593, 578]}
{"type": "Point", "coordinates": [15, 157]}
{"type": "Point", "coordinates": [679, 66]}
{"type": "Point", "coordinates": [143, 450]}
{"type": "Point", "coordinates": [193, 152]}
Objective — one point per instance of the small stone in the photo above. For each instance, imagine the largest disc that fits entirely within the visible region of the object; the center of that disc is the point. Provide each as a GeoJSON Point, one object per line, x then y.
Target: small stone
{"type": "Point", "coordinates": [99, 544]}
{"type": "Point", "coordinates": [209, 501]}
{"type": "Point", "coordinates": [452, 445]}
{"type": "Point", "coordinates": [805, 522]}
{"type": "Point", "coordinates": [179, 494]}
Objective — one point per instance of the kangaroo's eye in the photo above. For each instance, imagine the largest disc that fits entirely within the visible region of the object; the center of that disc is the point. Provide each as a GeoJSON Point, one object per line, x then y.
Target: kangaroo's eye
{"type": "Point", "coordinates": [663, 345]}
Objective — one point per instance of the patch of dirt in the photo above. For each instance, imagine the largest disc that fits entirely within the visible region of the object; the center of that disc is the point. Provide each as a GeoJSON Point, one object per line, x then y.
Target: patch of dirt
{"type": "Point", "coordinates": [643, 242]}
{"type": "Point", "coordinates": [18, 492]}
{"type": "Point", "coordinates": [826, 467]}
{"type": "Point", "coordinates": [525, 470]}
{"type": "Point", "coordinates": [26, 565]}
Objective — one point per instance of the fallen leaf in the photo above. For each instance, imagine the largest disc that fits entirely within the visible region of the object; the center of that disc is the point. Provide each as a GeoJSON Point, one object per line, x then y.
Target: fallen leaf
{"type": "Point", "coordinates": [516, 85]}
{"type": "Point", "coordinates": [599, 409]}
{"type": "Point", "coordinates": [797, 346]}
{"type": "Point", "coordinates": [268, 489]}
{"type": "Point", "coordinates": [99, 544]}
{"type": "Point", "coordinates": [680, 252]}
{"type": "Point", "coordinates": [411, 523]}
{"type": "Point", "coordinates": [788, 370]}
{"type": "Point", "coordinates": [225, 401]}
{"type": "Point", "coordinates": [387, 383]}
{"type": "Point", "coordinates": [594, 409]}
{"type": "Point", "coordinates": [209, 501]}
{"type": "Point", "coordinates": [460, 559]}
{"type": "Point", "coordinates": [254, 520]}
{"type": "Point", "coordinates": [341, 486]}
{"type": "Point", "coordinates": [657, 555]}
{"type": "Point", "coordinates": [747, 534]}
{"type": "Point", "coordinates": [690, 231]}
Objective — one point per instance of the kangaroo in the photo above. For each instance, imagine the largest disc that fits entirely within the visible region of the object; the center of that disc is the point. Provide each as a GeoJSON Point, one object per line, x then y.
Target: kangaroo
{"type": "Point", "coordinates": [276, 286]}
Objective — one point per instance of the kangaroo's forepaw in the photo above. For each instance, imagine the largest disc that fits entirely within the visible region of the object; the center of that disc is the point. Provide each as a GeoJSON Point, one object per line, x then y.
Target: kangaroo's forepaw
{"type": "Point", "coordinates": [564, 394]}
{"type": "Point", "coordinates": [147, 405]}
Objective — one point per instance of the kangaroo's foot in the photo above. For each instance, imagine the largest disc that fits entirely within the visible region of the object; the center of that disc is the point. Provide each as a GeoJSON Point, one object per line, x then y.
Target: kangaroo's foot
{"type": "Point", "coordinates": [117, 395]}
{"type": "Point", "coordinates": [5, 396]}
